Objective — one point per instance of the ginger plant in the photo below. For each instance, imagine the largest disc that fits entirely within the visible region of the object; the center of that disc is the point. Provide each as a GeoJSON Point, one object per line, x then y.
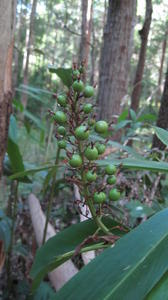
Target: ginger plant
{"type": "Point", "coordinates": [75, 120]}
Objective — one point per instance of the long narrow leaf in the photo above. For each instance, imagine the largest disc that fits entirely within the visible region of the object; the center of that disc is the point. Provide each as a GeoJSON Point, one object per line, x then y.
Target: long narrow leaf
{"type": "Point", "coordinates": [52, 254]}
{"type": "Point", "coordinates": [127, 271]}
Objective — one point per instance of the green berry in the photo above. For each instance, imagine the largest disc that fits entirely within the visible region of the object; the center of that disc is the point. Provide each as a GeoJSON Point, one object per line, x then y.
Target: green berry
{"type": "Point", "coordinates": [81, 133]}
{"type": "Point", "coordinates": [100, 148]}
{"type": "Point", "coordinates": [101, 127]}
{"type": "Point", "coordinates": [91, 153]}
{"type": "Point", "coordinates": [60, 117]}
{"type": "Point", "coordinates": [62, 144]}
{"type": "Point", "coordinates": [78, 86]}
{"type": "Point", "coordinates": [99, 197]}
{"type": "Point", "coordinates": [90, 176]}
{"type": "Point", "coordinates": [114, 195]}
{"type": "Point", "coordinates": [87, 108]}
{"type": "Point", "coordinates": [88, 91]}
{"type": "Point", "coordinates": [62, 100]}
{"type": "Point", "coordinates": [62, 130]}
{"type": "Point", "coordinates": [110, 169]}
{"type": "Point", "coordinates": [76, 74]}
{"type": "Point", "coordinates": [111, 179]}
{"type": "Point", "coordinates": [75, 161]}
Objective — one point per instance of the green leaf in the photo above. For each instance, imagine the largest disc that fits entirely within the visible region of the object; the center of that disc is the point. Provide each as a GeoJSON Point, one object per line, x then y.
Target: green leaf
{"type": "Point", "coordinates": [16, 161]}
{"type": "Point", "coordinates": [123, 116]}
{"type": "Point", "coordinates": [127, 271]}
{"type": "Point", "coordinates": [64, 74]}
{"type": "Point", "coordinates": [30, 172]}
{"type": "Point", "coordinates": [133, 115]}
{"type": "Point", "coordinates": [52, 254]}
{"type": "Point", "coordinates": [162, 135]}
{"type": "Point", "coordinates": [13, 129]}
{"type": "Point", "coordinates": [122, 124]}
{"type": "Point", "coordinates": [34, 119]}
{"type": "Point", "coordinates": [44, 292]}
{"type": "Point", "coordinates": [15, 156]}
{"type": "Point", "coordinates": [135, 164]}
{"type": "Point", "coordinates": [159, 292]}
{"type": "Point", "coordinates": [147, 117]}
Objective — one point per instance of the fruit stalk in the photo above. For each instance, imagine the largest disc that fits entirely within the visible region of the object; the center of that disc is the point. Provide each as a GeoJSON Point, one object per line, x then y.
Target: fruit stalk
{"type": "Point", "coordinates": [89, 202]}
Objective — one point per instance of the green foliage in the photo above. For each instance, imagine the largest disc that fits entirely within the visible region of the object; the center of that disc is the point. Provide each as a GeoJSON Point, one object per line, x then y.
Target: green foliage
{"type": "Point", "coordinates": [64, 74]}
{"type": "Point", "coordinates": [62, 247]}
{"type": "Point", "coordinates": [135, 258]}
{"type": "Point", "coordinates": [162, 134]}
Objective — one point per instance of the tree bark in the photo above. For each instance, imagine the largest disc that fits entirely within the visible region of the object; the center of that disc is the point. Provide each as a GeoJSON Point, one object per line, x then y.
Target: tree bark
{"type": "Point", "coordinates": [144, 32]}
{"type": "Point", "coordinates": [87, 10]}
{"type": "Point", "coordinates": [115, 57]}
{"type": "Point", "coordinates": [29, 42]}
{"type": "Point", "coordinates": [17, 48]}
{"type": "Point", "coordinates": [163, 115]}
{"type": "Point", "coordinates": [7, 25]}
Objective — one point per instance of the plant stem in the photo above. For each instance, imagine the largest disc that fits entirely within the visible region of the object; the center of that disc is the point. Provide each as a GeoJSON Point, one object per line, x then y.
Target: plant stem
{"type": "Point", "coordinates": [96, 218]}
{"type": "Point", "coordinates": [14, 215]}
{"type": "Point", "coordinates": [51, 195]}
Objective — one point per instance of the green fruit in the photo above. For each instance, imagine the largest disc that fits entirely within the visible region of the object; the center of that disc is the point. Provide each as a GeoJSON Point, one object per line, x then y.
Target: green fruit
{"type": "Point", "coordinates": [62, 144]}
{"type": "Point", "coordinates": [100, 148]}
{"type": "Point", "coordinates": [78, 86]}
{"type": "Point", "coordinates": [76, 74]}
{"type": "Point", "coordinates": [110, 169]}
{"type": "Point", "coordinates": [87, 108]}
{"type": "Point", "coordinates": [111, 180]}
{"type": "Point", "coordinates": [114, 195]}
{"type": "Point", "coordinates": [75, 161]}
{"type": "Point", "coordinates": [81, 133]}
{"type": "Point", "coordinates": [91, 122]}
{"type": "Point", "coordinates": [101, 127]}
{"type": "Point", "coordinates": [99, 197]}
{"type": "Point", "coordinates": [60, 117]}
{"type": "Point", "coordinates": [91, 153]}
{"type": "Point", "coordinates": [88, 91]}
{"type": "Point", "coordinates": [62, 100]}
{"type": "Point", "coordinates": [62, 130]}
{"type": "Point", "coordinates": [90, 176]}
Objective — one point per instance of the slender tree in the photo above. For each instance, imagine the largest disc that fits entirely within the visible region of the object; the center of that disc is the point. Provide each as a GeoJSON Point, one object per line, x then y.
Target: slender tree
{"type": "Point", "coordinates": [29, 42]}
{"type": "Point", "coordinates": [115, 56]}
{"type": "Point", "coordinates": [87, 9]}
{"type": "Point", "coordinates": [163, 115]}
{"type": "Point", "coordinates": [164, 44]}
{"type": "Point", "coordinates": [7, 25]}
{"type": "Point", "coordinates": [144, 32]}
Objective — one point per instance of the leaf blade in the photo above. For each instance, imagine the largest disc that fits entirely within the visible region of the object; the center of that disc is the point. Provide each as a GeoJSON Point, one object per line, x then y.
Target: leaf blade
{"type": "Point", "coordinates": [135, 261]}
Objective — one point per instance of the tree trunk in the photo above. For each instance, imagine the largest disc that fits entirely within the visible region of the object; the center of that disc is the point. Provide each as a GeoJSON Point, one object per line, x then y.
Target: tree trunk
{"type": "Point", "coordinates": [87, 9]}
{"type": "Point", "coordinates": [92, 76]}
{"type": "Point", "coordinates": [115, 57]}
{"type": "Point", "coordinates": [17, 48]}
{"type": "Point", "coordinates": [7, 24]}
{"type": "Point", "coordinates": [144, 32]}
{"type": "Point", "coordinates": [29, 42]}
{"type": "Point", "coordinates": [163, 115]}
{"type": "Point", "coordinates": [164, 44]}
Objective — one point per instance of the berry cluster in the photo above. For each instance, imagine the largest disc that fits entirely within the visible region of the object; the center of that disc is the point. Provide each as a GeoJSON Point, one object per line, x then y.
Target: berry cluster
{"type": "Point", "coordinates": [75, 120]}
